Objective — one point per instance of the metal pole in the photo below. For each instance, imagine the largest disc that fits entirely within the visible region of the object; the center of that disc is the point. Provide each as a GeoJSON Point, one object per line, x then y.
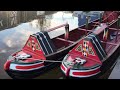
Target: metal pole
{"type": "Point", "coordinates": [87, 23]}
{"type": "Point", "coordinates": [56, 27]}
{"type": "Point", "coordinates": [66, 31]}
{"type": "Point", "coordinates": [107, 28]}
{"type": "Point", "coordinates": [100, 17]}
{"type": "Point", "coordinates": [118, 25]}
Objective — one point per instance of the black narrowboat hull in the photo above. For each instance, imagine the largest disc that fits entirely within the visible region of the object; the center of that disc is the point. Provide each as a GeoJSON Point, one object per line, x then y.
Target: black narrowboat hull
{"type": "Point", "coordinates": [15, 74]}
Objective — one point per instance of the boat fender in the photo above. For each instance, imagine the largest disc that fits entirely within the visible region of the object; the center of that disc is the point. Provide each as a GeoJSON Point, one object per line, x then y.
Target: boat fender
{"type": "Point", "coordinates": [7, 65]}
{"type": "Point", "coordinates": [67, 31]}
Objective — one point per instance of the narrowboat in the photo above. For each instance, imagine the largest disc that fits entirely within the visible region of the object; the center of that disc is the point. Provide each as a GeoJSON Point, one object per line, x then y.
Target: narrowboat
{"type": "Point", "coordinates": [97, 51]}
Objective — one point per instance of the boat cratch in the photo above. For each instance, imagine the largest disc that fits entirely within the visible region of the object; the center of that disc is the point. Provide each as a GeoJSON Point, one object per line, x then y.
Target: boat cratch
{"type": "Point", "coordinates": [97, 52]}
{"type": "Point", "coordinates": [40, 53]}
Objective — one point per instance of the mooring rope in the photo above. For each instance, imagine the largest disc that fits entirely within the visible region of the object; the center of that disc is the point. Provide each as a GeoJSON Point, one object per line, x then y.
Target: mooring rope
{"type": "Point", "coordinates": [51, 61]}
{"type": "Point", "coordinates": [38, 60]}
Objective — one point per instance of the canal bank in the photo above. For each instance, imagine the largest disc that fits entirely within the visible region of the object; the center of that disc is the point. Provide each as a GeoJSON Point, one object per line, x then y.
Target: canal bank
{"type": "Point", "coordinates": [115, 73]}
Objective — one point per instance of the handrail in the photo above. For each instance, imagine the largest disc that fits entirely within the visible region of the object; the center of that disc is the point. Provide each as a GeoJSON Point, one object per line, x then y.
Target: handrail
{"type": "Point", "coordinates": [54, 28]}
{"type": "Point", "coordinates": [114, 29]}
{"type": "Point", "coordinates": [85, 29]}
{"type": "Point", "coordinates": [109, 43]}
{"type": "Point", "coordinates": [65, 40]}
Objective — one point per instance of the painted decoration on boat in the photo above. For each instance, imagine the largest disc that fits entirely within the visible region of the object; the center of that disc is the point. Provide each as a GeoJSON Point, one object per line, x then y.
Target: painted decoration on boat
{"type": "Point", "coordinates": [85, 48]}
{"type": "Point", "coordinates": [90, 51]}
{"type": "Point", "coordinates": [29, 44]}
{"type": "Point", "coordinates": [79, 48]}
{"type": "Point", "coordinates": [33, 46]}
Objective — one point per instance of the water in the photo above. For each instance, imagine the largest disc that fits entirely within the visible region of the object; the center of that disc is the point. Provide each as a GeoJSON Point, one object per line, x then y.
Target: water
{"type": "Point", "coordinates": [13, 39]}
{"type": "Point", "coordinates": [13, 18]}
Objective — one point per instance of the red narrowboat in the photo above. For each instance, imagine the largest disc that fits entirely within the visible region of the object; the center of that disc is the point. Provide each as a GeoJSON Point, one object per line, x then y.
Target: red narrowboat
{"type": "Point", "coordinates": [40, 53]}
{"type": "Point", "coordinates": [97, 51]}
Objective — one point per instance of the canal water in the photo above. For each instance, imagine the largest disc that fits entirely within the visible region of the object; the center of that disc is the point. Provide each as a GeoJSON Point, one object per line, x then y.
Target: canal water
{"type": "Point", "coordinates": [13, 39]}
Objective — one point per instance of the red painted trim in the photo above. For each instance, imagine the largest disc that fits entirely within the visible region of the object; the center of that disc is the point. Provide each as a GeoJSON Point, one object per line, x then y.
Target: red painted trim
{"type": "Point", "coordinates": [63, 68]}
{"type": "Point", "coordinates": [68, 71]}
{"type": "Point", "coordinates": [29, 67]}
{"type": "Point", "coordinates": [85, 29]}
{"type": "Point", "coordinates": [7, 65]}
{"type": "Point", "coordinates": [86, 73]}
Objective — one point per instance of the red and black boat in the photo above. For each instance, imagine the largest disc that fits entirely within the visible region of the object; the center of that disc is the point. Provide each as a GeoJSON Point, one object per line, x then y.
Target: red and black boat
{"type": "Point", "coordinates": [97, 52]}
{"type": "Point", "coordinates": [41, 53]}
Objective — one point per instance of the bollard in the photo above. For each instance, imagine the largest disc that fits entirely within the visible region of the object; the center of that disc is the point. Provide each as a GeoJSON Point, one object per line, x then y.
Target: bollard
{"type": "Point", "coordinates": [66, 31]}
{"type": "Point", "coordinates": [118, 25]}
{"type": "Point", "coordinates": [100, 17]}
{"type": "Point", "coordinates": [87, 23]}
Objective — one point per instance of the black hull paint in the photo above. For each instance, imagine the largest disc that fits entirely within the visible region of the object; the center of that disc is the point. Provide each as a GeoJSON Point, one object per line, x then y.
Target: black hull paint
{"type": "Point", "coordinates": [30, 74]}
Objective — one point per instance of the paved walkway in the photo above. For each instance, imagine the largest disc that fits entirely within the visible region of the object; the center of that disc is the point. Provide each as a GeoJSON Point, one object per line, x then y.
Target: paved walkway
{"type": "Point", "coordinates": [115, 74]}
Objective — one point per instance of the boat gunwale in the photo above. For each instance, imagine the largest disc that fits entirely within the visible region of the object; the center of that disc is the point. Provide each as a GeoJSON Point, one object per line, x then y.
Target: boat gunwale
{"type": "Point", "coordinates": [73, 44]}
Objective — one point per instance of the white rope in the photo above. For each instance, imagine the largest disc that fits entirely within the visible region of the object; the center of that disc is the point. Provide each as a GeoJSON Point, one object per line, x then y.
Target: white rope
{"type": "Point", "coordinates": [50, 61]}
{"type": "Point", "coordinates": [41, 60]}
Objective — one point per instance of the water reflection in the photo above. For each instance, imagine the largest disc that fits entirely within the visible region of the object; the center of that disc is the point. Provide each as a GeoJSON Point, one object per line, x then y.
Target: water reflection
{"type": "Point", "coordinates": [13, 18]}
{"type": "Point", "coordinates": [49, 21]}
